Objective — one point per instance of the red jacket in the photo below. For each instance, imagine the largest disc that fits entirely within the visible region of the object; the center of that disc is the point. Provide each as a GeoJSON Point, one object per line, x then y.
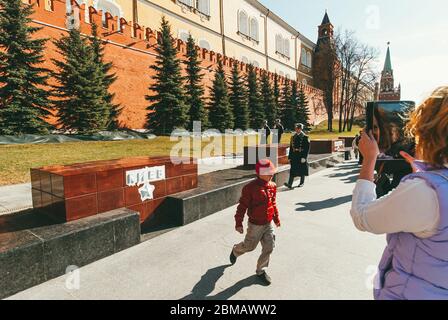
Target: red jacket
{"type": "Point", "coordinates": [259, 200]}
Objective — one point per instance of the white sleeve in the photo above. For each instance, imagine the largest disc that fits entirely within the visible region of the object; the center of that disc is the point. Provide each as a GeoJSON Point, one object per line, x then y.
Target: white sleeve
{"type": "Point", "coordinates": [412, 207]}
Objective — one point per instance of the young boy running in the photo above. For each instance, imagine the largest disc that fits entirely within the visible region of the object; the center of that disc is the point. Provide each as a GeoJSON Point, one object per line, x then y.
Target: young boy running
{"type": "Point", "coordinates": [258, 199]}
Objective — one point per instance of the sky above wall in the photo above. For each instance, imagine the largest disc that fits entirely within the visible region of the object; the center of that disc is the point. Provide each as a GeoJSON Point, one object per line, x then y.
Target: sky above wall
{"type": "Point", "coordinates": [416, 29]}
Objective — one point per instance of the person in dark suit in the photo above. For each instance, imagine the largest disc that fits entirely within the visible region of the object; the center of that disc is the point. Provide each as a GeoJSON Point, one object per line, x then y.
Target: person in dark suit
{"type": "Point", "coordinates": [277, 137]}
{"type": "Point", "coordinates": [298, 156]}
{"type": "Point", "coordinates": [265, 133]}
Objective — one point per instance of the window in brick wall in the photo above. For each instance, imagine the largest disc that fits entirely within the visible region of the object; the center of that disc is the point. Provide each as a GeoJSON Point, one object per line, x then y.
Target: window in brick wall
{"type": "Point", "coordinates": [282, 46]}
{"type": "Point", "coordinates": [303, 57]}
{"type": "Point", "coordinates": [183, 35]}
{"type": "Point", "coordinates": [243, 23]}
{"type": "Point", "coordinates": [108, 6]}
{"type": "Point", "coordinates": [254, 29]}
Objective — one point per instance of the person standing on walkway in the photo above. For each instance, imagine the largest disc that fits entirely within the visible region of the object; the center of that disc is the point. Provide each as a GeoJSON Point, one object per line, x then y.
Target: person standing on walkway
{"type": "Point", "coordinates": [265, 133]}
{"type": "Point", "coordinates": [277, 138]}
{"type": "Point", "coordinates": [298, 156]}
{"type": "Point", "coordinates": [414, 265]}
{"type": "Point", "coordinates": [258, 199]}
{"type": "Point", "coordinates": [355, 146]}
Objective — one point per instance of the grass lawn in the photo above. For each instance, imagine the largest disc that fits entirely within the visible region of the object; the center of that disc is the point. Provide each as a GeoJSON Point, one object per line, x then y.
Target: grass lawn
{"type": "Point", "coordinates": [16, 160]}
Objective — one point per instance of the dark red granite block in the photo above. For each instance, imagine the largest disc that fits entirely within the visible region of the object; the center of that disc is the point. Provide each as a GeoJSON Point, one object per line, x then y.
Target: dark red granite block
{"type": "Point", "coordinates": [79, 185]}
{"type": "Point", "coordinates": [160, 189]}
{"type": "Point", "coordinates": [85, 189]}
{"type": "Point", "coordinates": [252, 154]}
{"type": "Point", "coordinates": [37, 198]}
{"type": "Point", "coordinates": [326, 146]}
{"type": "Point", "coordinates": [35, 179]}
{"type": "Point", "coordinates": [110, 200]}
{"type": "Point", "coordinates": [81, 207]}
{"type": "Point", "coordinates": [174, 185]}
{"type": "Point", "coordinates": [109, 180]}
{"type": "Point", "coordinates": [57, 185]}
{"type": "Point", "coordinates": [46, 200]}
{"type": "Point", "coordinates": [282, 161]}
{"type": "Point", "coordinates": [189, 168]}
{"type": "Point", "coordinates": [348, 141]}
{"type": "Point", "coordinates": [189, 182]}
{"type": "Point", "coordinates": [45, 182]}
{"type": "Point", "coordinates": [173, 170]}
{"type": "Point", "coordinates": [131, 196]}
{"type": "Point", "coordinates": [57, 209]}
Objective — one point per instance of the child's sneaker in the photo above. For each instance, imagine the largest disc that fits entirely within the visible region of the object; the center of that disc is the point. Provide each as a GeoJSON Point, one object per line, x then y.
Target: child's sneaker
{"type": "Point", "coordinates": [232, 258]}
{"type": "Point", "coordinates": [265, 278]}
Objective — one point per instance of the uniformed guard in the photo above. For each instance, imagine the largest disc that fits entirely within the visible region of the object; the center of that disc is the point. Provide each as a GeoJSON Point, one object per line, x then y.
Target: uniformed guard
{"type": "Point", "coordinates": [298, 156]}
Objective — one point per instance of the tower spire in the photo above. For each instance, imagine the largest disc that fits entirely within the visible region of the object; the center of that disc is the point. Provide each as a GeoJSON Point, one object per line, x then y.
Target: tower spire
{"type": "Point", "coordinates": [388, 62]}
{"type": "Point", "coordinates": [326, 19]}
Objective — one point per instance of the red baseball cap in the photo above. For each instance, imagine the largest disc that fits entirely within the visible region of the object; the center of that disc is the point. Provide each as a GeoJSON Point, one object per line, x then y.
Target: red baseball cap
{"type": "Point", "coordinates": [265, 167]}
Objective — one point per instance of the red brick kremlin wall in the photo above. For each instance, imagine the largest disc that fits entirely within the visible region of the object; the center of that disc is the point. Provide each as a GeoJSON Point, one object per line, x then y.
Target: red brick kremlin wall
{"type": "Point", "coordinates": [131, 49]}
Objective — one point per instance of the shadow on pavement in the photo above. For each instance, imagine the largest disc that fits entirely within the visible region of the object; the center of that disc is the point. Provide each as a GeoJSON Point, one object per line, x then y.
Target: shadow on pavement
{"type": "Point", "coordinates": [347, 166]}
{"type": "Point", "coordinates": [324, 204]}
{"type": "Point", "coordinates": [208, 282]}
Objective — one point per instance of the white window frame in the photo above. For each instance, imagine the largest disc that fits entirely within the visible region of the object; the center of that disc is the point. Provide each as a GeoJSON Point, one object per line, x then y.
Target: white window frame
{"type": "Point", "coordinates": [287, 48]}
{"type": "Point", "coordinates": [188, 3]}
{"type": "Point", "coordinates": [303, 57]}
{"type": "Point", "coordinates": [198, 6]}
{"type": "Point", "coordinates": [254, 29]}
{"type": "Point", "coordinates": [207, 45]}
{"type": "Point", "coordinates": [183, 35]}
{"type": "Point", "coordinates": [279, 43]}
{"type": "Point", "coordinates": [203, 6]}
{"type": "Point", "coordinates": [309, 58]}
{"type": "Point", "coordinates": [243, 21]}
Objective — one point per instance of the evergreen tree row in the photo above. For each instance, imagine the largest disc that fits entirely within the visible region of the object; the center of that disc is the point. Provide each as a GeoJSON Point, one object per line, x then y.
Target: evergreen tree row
{"type": "Point", "coordinates": [238, 103]}
{"type": "Point", "coordinates": [80, 98]}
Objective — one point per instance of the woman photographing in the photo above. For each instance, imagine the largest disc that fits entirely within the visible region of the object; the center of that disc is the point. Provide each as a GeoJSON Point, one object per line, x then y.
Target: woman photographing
{"type": "Point", "coordinates": [414, 265]}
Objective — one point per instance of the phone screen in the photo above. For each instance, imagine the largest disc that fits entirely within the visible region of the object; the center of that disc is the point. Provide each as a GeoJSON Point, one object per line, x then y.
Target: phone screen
{"type": "Point", "coordinates": [387, 120]}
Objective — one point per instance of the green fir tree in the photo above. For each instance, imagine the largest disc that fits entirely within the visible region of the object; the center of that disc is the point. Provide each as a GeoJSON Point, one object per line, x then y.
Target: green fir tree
{"type": "Point", "coordinates": [268, 98]}
{"type": "Point", "coordinates": [168, 110]}
{"type": "Point", "coordinates": [287, 109]}
{"type": "Point", "coordinates": [194, 89]}
{"type": "Point", "coordinates": [108, 79]}
{"type": "Point", "coordinates": [79, 92]}
{"type": "Point", "coordinates": [255, 103]}
{"type": "Point", "coordinates": [238, 99]}
{"type": "Point", "coordinates": [24, 100]}
{"type": "Point", "coordinates": [277, 94]}
{"type": "Point", "coordinates": [221, 117]}
{"type": "Point", "coordinates": [303, 110]}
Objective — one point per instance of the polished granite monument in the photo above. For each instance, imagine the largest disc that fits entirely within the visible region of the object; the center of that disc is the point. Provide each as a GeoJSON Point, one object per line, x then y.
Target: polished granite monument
{"type": "Point", "coordinates": [327, 146]}
{"type": "Point", "coordinates": [277, 153]}
{"type": "Point", "coordinates": [68, 193]}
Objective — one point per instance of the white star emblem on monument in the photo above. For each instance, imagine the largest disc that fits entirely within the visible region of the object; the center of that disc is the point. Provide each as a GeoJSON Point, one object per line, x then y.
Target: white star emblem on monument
{"type": "Point", "coordinates": [147, 192]}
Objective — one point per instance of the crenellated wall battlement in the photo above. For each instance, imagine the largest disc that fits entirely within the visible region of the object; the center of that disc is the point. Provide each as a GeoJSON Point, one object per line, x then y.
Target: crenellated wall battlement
{"type": "Point", "coordinates": [131, 47]}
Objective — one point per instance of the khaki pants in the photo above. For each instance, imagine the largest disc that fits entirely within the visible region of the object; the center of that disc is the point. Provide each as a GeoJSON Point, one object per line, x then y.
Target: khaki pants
{"type": "Point", "coordinates": [256, 234]}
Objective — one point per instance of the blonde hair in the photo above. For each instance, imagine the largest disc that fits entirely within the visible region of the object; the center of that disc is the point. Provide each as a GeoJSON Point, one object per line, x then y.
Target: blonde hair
{"type": "Point", "coordinates": [429, 125]}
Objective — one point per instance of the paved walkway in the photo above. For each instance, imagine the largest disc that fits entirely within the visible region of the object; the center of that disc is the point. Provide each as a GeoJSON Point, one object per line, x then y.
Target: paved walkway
{"type": "Point", "coordinates": [15, 198]}
{"type": "Point", "coordinates": [319, 255]}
